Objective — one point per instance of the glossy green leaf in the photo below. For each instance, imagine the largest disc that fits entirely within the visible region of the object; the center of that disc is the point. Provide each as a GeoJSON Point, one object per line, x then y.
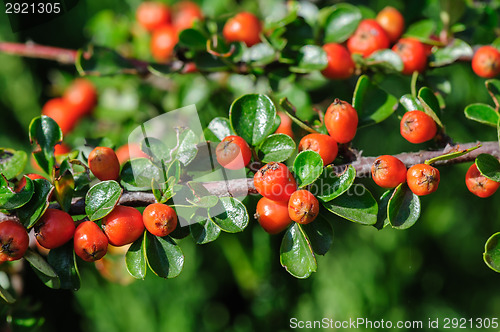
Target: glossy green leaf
{"type": "Point", "coordinates": [385, 59]}
{"type": "Point", "coordinates": [493, 87]}
{"type": "Point", "coordinates": [307, 167]}
{"type": "Point", "coordinates": [10, 199]}
{"type": "Point", "coordinates": [203, 229]}
{"type": "Point", "coordinates": [296, 254]}
{"type": "Point", "coordinates": [310, 58]}
{"type": "Point", "coordinates": [234, 217]}
{"type": "Point", "coordinates": [42, 269]}
{"type": "Point", "coordinates": [63, 262]}
{"type": "Point", "coordinates": [489, 166]}
{"type": "Point", "coordinates": [64, 185]}
{"type": "Point", "coordinates": [135, 259]}
{"type": "Point", "coordinates": [193, 39]}
{"type": "Point", "coordinates": [320, 235]}
{"type": "Point", "coordinates": [451, 155]}
{"type": "Point", "coordinates": [450, 53]}
{"type": "Point", "coordinates": [101, 199]}
{"type": "Point", "coordinates": [12, 162]}
{"type": "Point", "coordinates": [7, 296]}
{"type": "Point", "coordinates": [44, 135]}
{"type": "Point", "coordinates": [421, 30]}
{"type": "Point", "coordinates": [164, 256]}
{"type": "Point", "coordinates": [356, 205]}
{"type": "Point", "coordinates": [252, 117]}
{"type": "Point", "coordinates": [430, 103]}
{"type": "Point", "coordinates": [341, 23]}
{"type": "Point", "coordinates": [220, 127]}
{"type": "Point", "coordinates": [482, 113]}
{"type": "Point", "coordinates": [277, 147]}
{"type": "Point", "coordinates": [372, 103]}
{"type": "Point", "coordinates": [38, 204]}
{"type": "Point", "coordinates": [411, 103]}
{"type": "Point", "coordinates": [187, 147]}
{"type": "Point", "coordinates": [259, 54]}
{"type": "Point", "coordinates": [208, 62]}
{"type": "Point", "coordinates": [330, 185]}
{"type": "Point", "coordinates": [382, 218]}
{"type": "Point", "coordinates": [491, 253]}
{"type": "Point", "coordinates": [403, 209]}
{"type": "Point", "coordinates": [136, 174]}
{"type": "Point", "coordinates": [102, 61]}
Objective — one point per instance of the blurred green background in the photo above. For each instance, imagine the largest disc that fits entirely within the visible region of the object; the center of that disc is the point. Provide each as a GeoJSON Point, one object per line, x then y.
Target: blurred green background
{"type": "Point", "coordinates": [435, 269]}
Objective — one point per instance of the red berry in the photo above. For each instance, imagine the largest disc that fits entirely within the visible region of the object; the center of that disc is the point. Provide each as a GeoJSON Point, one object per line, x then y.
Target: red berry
{"type": "Point", "coordinates": [413, 54]}
{"type": "Point", "coordinates": [340, 63]}
{"type": "Point", "coordinates": [61, 149]}
{"type": "Point", "coordinates": [303, 207]}
{"type": "Point", "coordinates": [244, 27]}
{"type": "Point", "coordinates": [275, 182]}
{"type": "Point", "coordinates": [341, 121]}
{"type": "Point", "coordinates": [233, 152]}
{"type": "Point", "coordinates": [123, 225]}
{"type": "Point", "coordinates": [152, 15]}
{"type": "Point", "coordinates": [273, 215]}
{"type": "Point", "coordinates": [14, 240]}
{"type": "Point", "coordinates": [417, 127]}
{"type": "Point", "coordinates": [159, 219]}
{"type": "Point", "coordinates": [90, 243]}
{"type": "Point", "coordinates": [388, 171]}
{"type": "Point", "coordinates": [129, 151]}
{"type": "Point", "coordinates": [391, 20]}
{"type": "Point", "coordinates": [478, 184]}
{"type": "Point", "coordinates": [486, 62]}
{"type": "Point", "coordinates": [62, 112]}
{"type": "Point", "coordinates": [285, 126]}
{"type": "Point", "coordinates": [422, 179]}
{"type": "Point", "coordinates": [368, 38]}
{"type": "Point", "coordinates": [185, 14]}
{"type": "Point", "coordinates": [163, 42]}
{"type": "Point", "coordinates": [54, 229]}
{"type": "Point", "coordinates": [20, 185]}
{"type": "Point", "coordinates": [82, 95]}
{"type": "Point", "coordinates": [325, 145]}
{"type": "Point", "coordinates": [104, 163]}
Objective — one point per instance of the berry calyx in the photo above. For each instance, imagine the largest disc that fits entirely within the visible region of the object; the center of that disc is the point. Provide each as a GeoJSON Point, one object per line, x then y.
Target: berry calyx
{"type": "Point", "coordinates": [163, 42]}
{"type": "Point", "coordinates": [340, 63]}
{"type": "Point", "coordinates": [54, 229]}
{"type": "Point", "coordinates": [417, 127]}
{"type": "Point", "coordinates": [123, 225]}
{"type": "Point", "coordinates": [273, 215]}
{"type": "Point", "coordinates": [486, 62]}
{"type": "Point", "coordinates": [303, 207]}
{"type": "Point", "coordinates": [104, 163]}
{"type": "Point", "coordinates": [90, 243]}
{"type": "Point", "coordinates": [478, 184]}
{"type": "Point", "coordinates": [152, 15]}
{"type": "Point", "coordinates": [341, 121]}
{"type": "Point", "coordinates": [393, 23]}
{"type": "Point", "coordinates": [14, 240]}
{"type": "Point", "coordinates": [233, 152]}
{"type": "Point", "coordinates": [324, 145]}
{"type": "Point", "coordinates": [422, 179]}
{"type": "Point", "coordinates": [244, 27]}
{"type": "Point", "coordinates": [413, 54]}
{"type": "Point", "coordinates": [275, 181]}
{"type": "Point", "coordinates": [159, 219]}
{"type": "Point", "coordinates": [388, 171]}
{"type": "Point", "coordinates": [368, 38]}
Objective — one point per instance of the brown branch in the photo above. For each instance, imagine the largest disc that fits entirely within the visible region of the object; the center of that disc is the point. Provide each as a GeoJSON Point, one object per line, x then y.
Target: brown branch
{"type": "Point", "coordinates": [32, 50]}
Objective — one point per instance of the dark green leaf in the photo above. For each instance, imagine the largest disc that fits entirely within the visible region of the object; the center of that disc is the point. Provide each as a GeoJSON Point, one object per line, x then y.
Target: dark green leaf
{"type": "Point", "coordinates": [382, 219]}
{"type": "Point", "coordinates": [42, 269]}
{"type": "Point", "coordinates": [193, 39]}
{"type": "Point", "coordinates": [430, 103]}
{"type": "Point", "coordinates": [102, 61]}
{"type": "Point", "coordinates": [403, 209]}
{"type": "Point", "coordinates": [307, 167]}
{"type": "Point", "coordinates": [450, 53]}
{"type": "Point", "coordinates": [230, 215]}
{"type": "Point", "coordinates": [491, 254]}
{"type": "Point", "coordinates": [277, 147]}
{"type": "Point", "coordinates": [252, 117]}
{"type": "Point", "coordinates": [135, 258]}
{"type": "Point", "coordinates": [44, 135]}
{"type": "Point", "coordinates": [203, 229]}
{"type": "Point", "coordinates": [296, 254]}
{"type": "Point", "coordinates": [10, 199]}
{"type": "Point", "coordinates": [101, 199]}
{"type": "Point", "coordinates": [7, 296]}
{"type": "Point", "coordinates": [330, 185]}
{"type": "Point", "coordinates": [341, 23]}
{"type": "Point", "coordinates": [64, 185]}
{"type": "Point", "coordinates": [38, 204]}
{"type": "Point", "coordinates": [164, 256]}
{"type": "Point", "coordinates": [410, 103]}
{"type": "Point", "coordinates": [311, 58]}
{"type": "Point", "coordinates": [12, 162]}
{"type": "Point", "coordinates": [357, 205]}
{"type": "Point", "coordinates": [156, 149]}
{"type": "Point", "coordinates": [63, 261]}
{"type": "Point", "coordinates": [386, 59]}
{"type": "Point", "coordinates": [482, 113]}
{"type": "Point", "coordinates": [220, 127]}
{"type": "Point", "coordinates": [372, 103]}
{"type": "Point", "coordinates": [320, 235]}
{"type": "Point", "coordinates": [488, 166]}
{"type": "Point", "coordinates": [209, 62]}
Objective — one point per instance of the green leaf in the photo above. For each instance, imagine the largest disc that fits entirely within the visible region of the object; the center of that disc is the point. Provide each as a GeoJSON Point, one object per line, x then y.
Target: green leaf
{"type": "Point", "coordinates": [259, 54]}
{"type": "Point", "coordinates": [220, 127]}
{"type": "Point", "coordinates": [188, 149]}
{"type": "Point", "coordinates": [491, 253]}
{"type": "Point", "coordinates": [411, 103]}
{"type": "Point", "coordinates": [482, 113]}
{"type": "Point", "coordinates": [136, 174]}
{"type": "Point", "coordinates": [10, 199]}
{"type": "Point", "coordinates": [42, 269]}
{"type": "Point", "coordinates": [382, 218]}
{"type": "Point", "coordinates": [296, 254]}
{"type": "Point", "coordinates": [7, 296]}
{"type": "Point", "coordinates": [450, 53]}
{"type": "Point", "coordinates": [341, 23]}
{"type": "Point", "coordinates": [310, 58]}
{"type": "Point", "coordinates": [421, 30]}
{"type": "Point", "coordinates": [12, 162]}
{"type": "Point", "coordinates": [373, 104]}
{"type": "Point", "coordinates": [162, 70]}
{"type": "Point", "coordinates": [234, 217]}
{"type": "Point", "coordinates": [208, 62]}
{"type": "Point", "coordinates": [64, 185]}
{"type": "Point", "coordinates": [386, 59]}
{"type": "Point", "coordinates": [277, 147]}
{"type": "Point", "coordinates": [430, 103]}
{"type": "Point", "coordinates": [330, 185]}
{"type": "Point", "coordinates": [356, 205]}
{"type": "Point", "coordinates": [101, 199]}
{"type": "Point", "coordinates": [135, 259]}
{"type": "Point", "coordinates": [493, 87]}
{"type": "Point", "coordinates": [252, 117]}
{"type": "Point", "coordinates": [102, 61]}
{"type": "Point", "coordinates": [63, 262]}
{"type": "Point", "coordinates": [38, 204]}
{"type": "Point", "coordinates": [203, 229]}
{"type": "Point", "coordinates": [320, 235]}
{"type": "Point", "coordinates": [403, 209]}
{"type": "Point", "coordinates": [307, 167]}
{"type": "Point", "coordinates": [488, 166]}
{"type": "Point", "coordinates": [451, 155]}
{"type": "Point", "coordinates": [193, 39]}
{"type": "Point", "coordinates": [164, 256]}
{"type": "Point", "coordinates": [44, 135]}
{"type": "Point", "coordinates": [156, 149]}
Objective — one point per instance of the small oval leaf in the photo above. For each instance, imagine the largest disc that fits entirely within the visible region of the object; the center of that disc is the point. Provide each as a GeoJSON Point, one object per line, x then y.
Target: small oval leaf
{"type": "Point", "coordinates": [135, 259]}
{"type": "Point", "coordinates": [403, 209]}
{"type": "Point", "coordinates": [234, 215]}
{"type": "Point", "coordinates": [164, 256]}
{"type": "Point", "coordinates": [491, 253]}
{"type": "Point", "coordinates": [488, 166]}
{"type": "Point", "coordinates": [101, 199]}
{"type": "Point", "coordinates": [277, 147]}
{"type": "Point", "coordinates": [44, 134]}
{"type": "Point", "coordinates": [341, 23]}
{"type": "Point", "coordinates": [12, 162]}
{"type": "Point", "coordinates": [63, 262]}
{"type": "Point", "coordinates": [482, 113]}
{"type": "Point", "coordinates": [10, 199]}
{"type": "Point", "coordinates": [330, 185]}
{"type": "Point", "coordinates": [296, 254]}
{"type": "Point", "coordinates": [356, 205]}
{"type": "Point", "coordinates": [38, 204]}
{"type": "Point", "coordinates": [307, 167]}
